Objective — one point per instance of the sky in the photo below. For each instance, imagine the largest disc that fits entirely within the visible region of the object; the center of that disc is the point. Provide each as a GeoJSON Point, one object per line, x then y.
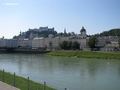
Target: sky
{"type": "Point", "coordinates": [95, 15]}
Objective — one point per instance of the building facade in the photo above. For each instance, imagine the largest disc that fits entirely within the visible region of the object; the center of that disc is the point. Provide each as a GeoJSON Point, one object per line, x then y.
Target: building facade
{"type": "Point", "coordinates": [108, 43]}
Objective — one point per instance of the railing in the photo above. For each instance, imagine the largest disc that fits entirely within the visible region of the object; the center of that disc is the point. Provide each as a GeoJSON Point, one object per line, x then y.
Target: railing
{"type": "Point", "coordinates": [23, 83]}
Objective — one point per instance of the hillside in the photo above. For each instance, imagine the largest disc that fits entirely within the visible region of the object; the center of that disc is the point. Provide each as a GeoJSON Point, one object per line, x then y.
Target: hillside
{"type": "Point", "coordinates": [36, 33]}
{"type": "Point", "coordinates": [112, 32]}
{"type": "Point", "coordinates": [40, 34]}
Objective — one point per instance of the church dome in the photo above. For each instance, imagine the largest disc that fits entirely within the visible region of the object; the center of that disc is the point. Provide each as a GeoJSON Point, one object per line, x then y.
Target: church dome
{"type": "Point", "coordinates": [82, 30]}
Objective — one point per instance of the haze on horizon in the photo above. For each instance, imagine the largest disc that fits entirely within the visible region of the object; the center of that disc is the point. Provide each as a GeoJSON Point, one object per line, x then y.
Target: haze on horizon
{"type": "Point", "coordinates": [95, 15]}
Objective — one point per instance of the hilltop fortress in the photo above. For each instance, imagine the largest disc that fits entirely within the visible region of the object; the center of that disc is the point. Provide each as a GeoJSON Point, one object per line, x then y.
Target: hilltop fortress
{"type": "Point", "coordinates": [50, 42]}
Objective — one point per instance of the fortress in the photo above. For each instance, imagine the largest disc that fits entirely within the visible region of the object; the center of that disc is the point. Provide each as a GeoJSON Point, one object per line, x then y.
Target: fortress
{"type": "Point", "coordinates": [105, 43]}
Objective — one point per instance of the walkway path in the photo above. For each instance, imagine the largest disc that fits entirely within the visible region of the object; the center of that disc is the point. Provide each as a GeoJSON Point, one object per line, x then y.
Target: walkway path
{"type": "Point", "coordinates": [4, 86]}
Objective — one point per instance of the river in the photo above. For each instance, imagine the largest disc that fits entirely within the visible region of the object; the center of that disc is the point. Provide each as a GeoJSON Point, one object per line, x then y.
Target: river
{"type": "Point", "coordinates": [65, 72]}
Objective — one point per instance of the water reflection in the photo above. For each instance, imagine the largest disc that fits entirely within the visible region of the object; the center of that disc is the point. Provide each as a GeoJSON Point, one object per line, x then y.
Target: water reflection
{"type": "Point", "coordinates": [73, 73]}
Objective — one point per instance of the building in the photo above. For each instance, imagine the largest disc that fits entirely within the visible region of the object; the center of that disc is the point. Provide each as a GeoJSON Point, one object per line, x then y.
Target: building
{"type": "Point", "coordinates": [111, 43]}
{"type": "Point", "coordinates": [24, 43]}
{"type": "Point", "coordinates": [42, 29]}
{"type": "Point", "coordinates": [2, 43]}
{"type": "Point", "coordinates": [38, 43]}
{"type": "Point", "coordinates": [11, 43]}
{"type": "Point", "coordinates": [83, 33]}
{"type": "Point", "coordinates": [108, 43]}
{"type": "Point", "coordinates": [52, 43]}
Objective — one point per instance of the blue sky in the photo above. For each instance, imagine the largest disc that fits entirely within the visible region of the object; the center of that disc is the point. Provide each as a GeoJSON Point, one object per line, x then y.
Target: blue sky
{"type": "Point", "coordinates": [95, 15]}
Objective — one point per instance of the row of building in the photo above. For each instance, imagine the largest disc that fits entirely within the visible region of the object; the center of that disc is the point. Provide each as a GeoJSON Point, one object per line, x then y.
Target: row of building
{"type": "Point", "coordinates": [104, 43]}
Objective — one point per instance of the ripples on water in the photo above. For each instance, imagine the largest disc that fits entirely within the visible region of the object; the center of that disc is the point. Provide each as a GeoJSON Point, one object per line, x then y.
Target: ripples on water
{"type": "Point", "coordinates": [61, 72]}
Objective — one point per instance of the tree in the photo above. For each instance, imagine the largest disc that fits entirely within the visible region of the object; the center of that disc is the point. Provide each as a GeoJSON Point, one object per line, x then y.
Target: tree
{"type": "Point", "coordinates": [63, 45]}
{"type": "Point", "coordinates": [15, 37]}
{"type": "Point", "coordinates": [92, 41]}
{"type": "Point", "coordinates": [75, 45]}
{"type": "Point", "coordinates": [119, 43]}
{"type": "Point", "coordinates": [69, 45]}
{"type": "Point", "coordinates": [60, 34]}
{"type": "Point", "coordinates": [50, 45]}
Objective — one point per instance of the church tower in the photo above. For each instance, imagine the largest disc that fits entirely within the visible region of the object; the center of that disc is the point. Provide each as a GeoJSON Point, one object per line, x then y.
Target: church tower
{"type": "Point", "coordinates": [65, 34]}
{"type": "Point", "coordinates": [83, 32]}
{"type": "Point", "coordinates": [20, 37]}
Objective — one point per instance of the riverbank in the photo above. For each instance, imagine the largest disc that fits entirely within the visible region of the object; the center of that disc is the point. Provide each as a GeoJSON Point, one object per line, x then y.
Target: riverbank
{"type": "Point", "coordinates": [86, 54]}
{"type": "Point", "coordinates": [22, 50]}
{"type": "Point", "coordinates": [21, 83]}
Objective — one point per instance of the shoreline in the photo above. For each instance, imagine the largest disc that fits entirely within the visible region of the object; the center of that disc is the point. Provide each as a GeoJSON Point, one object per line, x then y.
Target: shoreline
{"type": "Point", "coordinates": [23, 50]}
{"type": "Point", "coordinates": [86, 54]}
{"type": "Point", "coordinates": [22, 82]}
{"type": "Point", "coordinates": [67, 53]}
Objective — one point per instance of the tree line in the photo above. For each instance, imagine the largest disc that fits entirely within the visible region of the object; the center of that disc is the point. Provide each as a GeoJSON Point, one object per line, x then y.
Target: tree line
{"type": "Point", "coordinates": [112, 32]}
{"type": "Point", "coordinates": [69, 45]}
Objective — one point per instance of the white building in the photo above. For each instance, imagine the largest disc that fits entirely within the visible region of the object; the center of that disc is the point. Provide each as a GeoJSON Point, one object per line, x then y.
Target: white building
{"type": "Point", "coordinates": [105, 43]}
{"type": "Point", "coordinates": [38, 43]}
{"type": "Point", "coordinates": [52, 43]}
{"type": "Point", "coordinates": [64, 39]}
{"type": "Point", "coordinates": [24, 43]}
{"type": "Point", "coordinates": [2, 43]}
{"type": "Point", "coordinates": [9, 43]}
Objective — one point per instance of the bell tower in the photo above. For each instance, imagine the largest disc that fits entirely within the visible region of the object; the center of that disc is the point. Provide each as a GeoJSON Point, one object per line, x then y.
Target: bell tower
{"type": "Point", "coordinates": [65, 34]}
{"type": "Point", "coordinates": [83, 32]}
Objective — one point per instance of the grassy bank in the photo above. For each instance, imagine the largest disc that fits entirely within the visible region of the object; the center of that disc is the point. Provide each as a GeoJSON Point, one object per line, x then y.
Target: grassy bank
{"type": "Point", "coordinates": [86, 54]}
{"type": "Point", "coordinates": [21, 83]}
{"type": "Point", "coordinates": [62, 53]}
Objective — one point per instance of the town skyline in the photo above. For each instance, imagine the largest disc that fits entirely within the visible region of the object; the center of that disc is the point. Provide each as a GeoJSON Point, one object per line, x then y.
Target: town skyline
{"type": "Point", "coordinates": [95, 16]}
{"type": "Point", "coordinates": [55, 31]}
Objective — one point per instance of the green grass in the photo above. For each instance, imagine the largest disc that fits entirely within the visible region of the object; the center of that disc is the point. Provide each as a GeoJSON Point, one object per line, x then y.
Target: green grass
{"type": "Point", "coordinates": [62, 53]}
{"type": "Point", "coordinates": [86, 54]}
{"type": "Point", "coordinates": [22, 83]}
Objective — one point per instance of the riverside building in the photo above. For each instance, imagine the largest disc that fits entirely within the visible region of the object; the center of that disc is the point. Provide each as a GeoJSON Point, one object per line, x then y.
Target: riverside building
{"type": "Point", "coordinates": [104, 43]}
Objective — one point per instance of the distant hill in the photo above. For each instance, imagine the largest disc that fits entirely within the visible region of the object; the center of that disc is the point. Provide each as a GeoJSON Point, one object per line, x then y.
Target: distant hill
{"type": "Point", "coordinates": [40, 34]}
{"type": "Point", "coordinates": [36, 33]}
{"type": "Point", "coordinates": [112, 32]}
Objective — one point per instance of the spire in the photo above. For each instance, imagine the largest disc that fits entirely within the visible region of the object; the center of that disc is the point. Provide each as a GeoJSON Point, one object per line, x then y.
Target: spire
{"type": "Point", "coordinates": [64, 30]}
{"type": "Point", "coordinates": [65, 34]}
{"type": "Point", "coordinates": [82, 27]}
{"type": "Point", "coordinates": [20, 33]}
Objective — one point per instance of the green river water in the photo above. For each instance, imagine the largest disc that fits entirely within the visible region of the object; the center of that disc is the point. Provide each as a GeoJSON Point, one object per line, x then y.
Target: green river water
{"type": "Point", "coordinates": [65, 72]}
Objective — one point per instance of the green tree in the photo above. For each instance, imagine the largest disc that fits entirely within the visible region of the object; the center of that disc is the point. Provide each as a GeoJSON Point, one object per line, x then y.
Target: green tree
{"type": "Point", "coordinates": [92, 41]}
{"type": "Point", "coordinates": [75, 45]}
{"type": "Point", "coordinates": [119, 43]}
{"type": "Point", "coordinates": [63, 45]}
{"type": "Point", "coordinates": [69, 45]}
{"type": "Point", "coordinates": [15, 37]}
{"type": "Point", "coordinates": [112, 32]}
{"type": "Point", "coordinates": [60, 34]}
{"type": "Point", "coordinates": [51, 45]}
